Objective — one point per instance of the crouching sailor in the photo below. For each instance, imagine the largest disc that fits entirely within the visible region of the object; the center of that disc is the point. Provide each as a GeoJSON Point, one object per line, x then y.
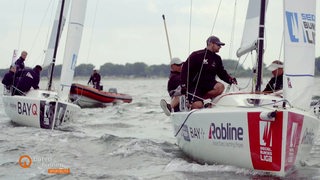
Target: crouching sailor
{"type": "Point", "coordinates": [28, 78]}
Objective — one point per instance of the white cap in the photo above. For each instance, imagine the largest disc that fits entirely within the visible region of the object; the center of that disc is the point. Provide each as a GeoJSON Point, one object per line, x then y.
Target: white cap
{"type": "Point", "coordinates": [175, 60]}
{"type": "Point", "coordinates": [275, 65]}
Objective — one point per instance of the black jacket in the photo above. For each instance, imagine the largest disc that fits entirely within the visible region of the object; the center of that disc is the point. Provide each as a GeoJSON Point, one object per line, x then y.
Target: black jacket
{"type": "Point", "coordinates": [174, 82]}
{"type": "Point", "coordinates": [95, 78]}
{"type": "Point", "coordinates": [19, 64]}
{"type": "Point", "coordinates": [29, 78]}
{"type": "Point", "coordinates": [275, 83]}
{"type": "Point", "coordinates": [8, 79]}
{"type": "Point", "coordinates": [212, 66]}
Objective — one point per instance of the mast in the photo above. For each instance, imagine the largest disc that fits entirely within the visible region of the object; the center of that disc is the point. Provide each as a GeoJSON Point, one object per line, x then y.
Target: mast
{"type": "Point", "coordinates": [260, 44]}
{"type": "Point", "coordinates": [56, 46]}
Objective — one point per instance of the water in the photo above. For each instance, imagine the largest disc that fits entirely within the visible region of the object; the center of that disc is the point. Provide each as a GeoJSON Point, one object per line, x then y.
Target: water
{"type": "Point", "coordinates": [126, 141]}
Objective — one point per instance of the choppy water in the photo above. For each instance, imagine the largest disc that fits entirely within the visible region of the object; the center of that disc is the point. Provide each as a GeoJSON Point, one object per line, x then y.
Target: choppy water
{"type": "Point", "coordinates": [126, 141]}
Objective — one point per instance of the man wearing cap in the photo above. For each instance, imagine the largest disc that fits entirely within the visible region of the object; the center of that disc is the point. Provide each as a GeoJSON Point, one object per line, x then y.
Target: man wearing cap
{"type": "Point", "coordinates": [173, 87]}
{"type": "Point", "coordinates": [203, 66]}
{"type": "Point", "coordinates": [276, 82]}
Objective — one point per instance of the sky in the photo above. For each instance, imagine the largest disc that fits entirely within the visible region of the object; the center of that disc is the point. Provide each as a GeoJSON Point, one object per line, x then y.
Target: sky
{"type": "Point", "coordinates": [129, 31]}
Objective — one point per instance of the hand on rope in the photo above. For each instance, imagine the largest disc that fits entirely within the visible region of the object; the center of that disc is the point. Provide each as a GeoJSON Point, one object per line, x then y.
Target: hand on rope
{"type": "Point", "coordinates": [183, 89]}
{"type": "Point", "coordinates": [233, 80]}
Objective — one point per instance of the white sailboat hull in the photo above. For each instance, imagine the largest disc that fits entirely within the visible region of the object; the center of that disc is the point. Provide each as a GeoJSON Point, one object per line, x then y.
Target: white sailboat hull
{"type": "Point", "coordinates": [244, 136]}
{"type": "Point", "coordinates": [39, 108]}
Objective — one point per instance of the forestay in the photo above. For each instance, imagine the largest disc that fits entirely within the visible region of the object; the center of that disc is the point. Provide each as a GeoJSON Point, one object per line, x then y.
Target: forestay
{"type": "Point", "coordinates": [77, 16]}
{"type": "Point", "coordinates": [299, 51]}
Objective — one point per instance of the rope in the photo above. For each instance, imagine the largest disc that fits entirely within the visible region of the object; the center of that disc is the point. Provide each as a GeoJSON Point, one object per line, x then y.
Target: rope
{"type": "Point", "coordinates": [21, 25]}
{"type": "Point", "coordinates": [92, 29]}
{"type": "Point", "coordinates": [215, 18]}
{"type": "Point", "coordinates": [39, 29]}
{"type": "Point", "coordinates": [233, 29]}
{"type": "Point", "coordinates": [185, 122]}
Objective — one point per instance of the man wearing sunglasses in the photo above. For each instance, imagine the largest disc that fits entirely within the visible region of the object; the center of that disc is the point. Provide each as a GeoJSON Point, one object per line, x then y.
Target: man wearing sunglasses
{"type": "Point", "coordinates": [199, 74]}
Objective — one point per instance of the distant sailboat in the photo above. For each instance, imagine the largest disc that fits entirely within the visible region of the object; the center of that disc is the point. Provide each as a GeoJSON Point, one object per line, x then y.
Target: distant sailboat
{"type": "Point", "coordinates": [263, 132]}
{"type": "Point", "coordinates": [47, 108]}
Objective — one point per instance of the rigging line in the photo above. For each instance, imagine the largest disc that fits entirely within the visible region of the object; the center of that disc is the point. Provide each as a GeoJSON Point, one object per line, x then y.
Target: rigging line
{"type": "Point", "coordinates": [190, 22]}
{"type": "Point", "coordinates": [215, 18]}
{"type": "Point", "coordinates": [92, 29]}
{"type": "Point", "coordinates": [232, 29]}
{"type": "Point", "coordinates": [182, 125]}
{"type": "Point", "coordinates": [39, 29]}
{"type": "Point", "coordinates": [281, 44]}
{"type": "Point", "coordinates": [189, 49]}
{"type": "Point", "coordinates": [21, 25]}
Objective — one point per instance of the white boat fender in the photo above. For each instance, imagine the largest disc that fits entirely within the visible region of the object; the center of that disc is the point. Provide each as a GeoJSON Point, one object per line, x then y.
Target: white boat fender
{"type": "Point", "coordinates": [268, 116]}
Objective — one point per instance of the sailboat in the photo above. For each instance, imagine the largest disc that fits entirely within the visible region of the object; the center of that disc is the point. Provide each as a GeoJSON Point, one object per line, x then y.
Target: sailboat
{"type": "Point", "coordinates": [48, 108]}
{"type": "Point", "coordinates": [262, 132]}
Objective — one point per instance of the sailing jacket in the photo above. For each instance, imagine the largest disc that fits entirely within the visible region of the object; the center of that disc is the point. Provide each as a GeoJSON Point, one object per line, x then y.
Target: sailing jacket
{"type": "Point", "coordinates": [95, 78]}
{"type": "Point", "coordinates": [173, 83]}
{"type": "Point", "coordinates": [8, 79]}
{"type": "Point", "coordinates": [19, 64]}
{"type": "Point", "coordinates": [29, 78]}
{"type": "Point", "coordinates": [212, 66]}
{"type": "Point", "coordinates": [275, 83]}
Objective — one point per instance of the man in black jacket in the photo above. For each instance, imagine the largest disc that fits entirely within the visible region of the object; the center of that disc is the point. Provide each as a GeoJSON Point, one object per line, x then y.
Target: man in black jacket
{"type": "Point", "coordinates": [8, 78]}
{"type": "Point", "coordinates": [95, 79]}
{"type": "Point", "coordinates": [276, 82]}
{"type": "Point", "coordinates": [20, 62]}
{"type": "Point", "coordinates": [203, 66]}
{"type": "Point", "coordinates": [28, 78]}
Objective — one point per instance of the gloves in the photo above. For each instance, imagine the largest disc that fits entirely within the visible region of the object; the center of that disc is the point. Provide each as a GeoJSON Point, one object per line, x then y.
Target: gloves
{"type": "Point", "coordinates": [183, 89]}
{"type": "Point", "coordinates": [233, 80]}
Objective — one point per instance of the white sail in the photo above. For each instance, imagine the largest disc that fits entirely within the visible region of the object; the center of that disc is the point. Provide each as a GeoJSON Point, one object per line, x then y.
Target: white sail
{"type": "Point", "coordinates": [250, 32]}
{"type": "Point", "coordinates": [77, 16]}
{"type": "Point", "coordinates": [53, 36]}
{"type": "Point", "coordinates": [299, 51]}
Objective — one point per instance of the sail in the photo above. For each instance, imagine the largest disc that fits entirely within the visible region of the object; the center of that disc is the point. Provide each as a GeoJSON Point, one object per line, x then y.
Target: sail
{"type": "Point", "coordinates": [53, 36]}
{"type": "Point", "coordinates": [74, 34]}
{"type": "Point", "coordinates": [299, 51]}
{"type": "Point", "coordinates": [251, 28]}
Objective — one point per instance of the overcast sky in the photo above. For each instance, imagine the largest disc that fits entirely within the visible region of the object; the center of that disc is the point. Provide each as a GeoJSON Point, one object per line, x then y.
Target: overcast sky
{"type": "Point", "coordinates": [129, 31]}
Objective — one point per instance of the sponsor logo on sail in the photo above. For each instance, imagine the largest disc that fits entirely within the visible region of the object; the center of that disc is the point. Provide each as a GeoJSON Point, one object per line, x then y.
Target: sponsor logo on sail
{"type": "Point", "coordinates": [301, 27]}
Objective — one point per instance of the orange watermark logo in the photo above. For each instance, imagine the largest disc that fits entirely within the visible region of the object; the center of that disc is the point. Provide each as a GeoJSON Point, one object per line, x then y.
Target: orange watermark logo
{"type": "Point", "coordinates": [59, 171]}
{"type": "Point", "coordinates": [25, 161]}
